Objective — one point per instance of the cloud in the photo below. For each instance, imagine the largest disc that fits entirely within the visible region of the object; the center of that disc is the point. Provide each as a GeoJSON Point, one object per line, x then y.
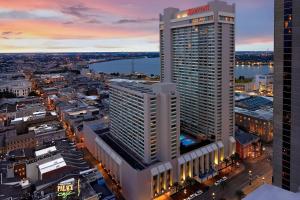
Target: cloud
{"type": "Point", "coordinates": [127, 21]}
{"type": "Point", "coordinates": [68, 22]}
{"type": "Point", "coordinates": [106, 47]}
{"type": "Point", "coordinates": [255, 40]}
{"type": "Point", "coordinates": [44, 14]}
{"type": "Point", "coordinates": [9, 34]}
{"type": "Point", "coordinates": [117, 19]}
{"type": "Point", "coordinates": [82, 14]}
{"type": "Point", "coordinates": [78, 10]}
{"type": "Point", "coordinates": [93, 21]}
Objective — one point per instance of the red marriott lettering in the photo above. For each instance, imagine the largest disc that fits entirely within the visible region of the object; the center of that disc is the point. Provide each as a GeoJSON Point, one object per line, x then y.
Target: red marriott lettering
{"type": "Point", "coordinates": [200, 9]}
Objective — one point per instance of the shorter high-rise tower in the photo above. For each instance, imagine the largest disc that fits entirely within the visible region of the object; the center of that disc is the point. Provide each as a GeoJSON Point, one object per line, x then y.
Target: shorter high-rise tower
{"type": "Point", "coordinates": [145, 118]}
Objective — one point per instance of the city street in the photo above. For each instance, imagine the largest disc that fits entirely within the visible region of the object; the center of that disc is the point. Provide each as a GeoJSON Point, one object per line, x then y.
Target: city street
{"type": "Point", "coordinates": [259, 169]}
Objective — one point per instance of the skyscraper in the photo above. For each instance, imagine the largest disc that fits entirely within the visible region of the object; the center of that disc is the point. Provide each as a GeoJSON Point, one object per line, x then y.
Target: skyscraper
{"type": "Point", "coordinates": [287, 95]}
{"type": "Point", "coordinates": [145, 118]}
{"type": "Point", "coordinates": [197, 53]}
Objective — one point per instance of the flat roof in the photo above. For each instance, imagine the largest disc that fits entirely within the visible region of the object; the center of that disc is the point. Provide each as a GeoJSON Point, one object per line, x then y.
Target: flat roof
{"type": "Point", "coordinates": [267, 191]}
{"type": "Point", "coordinates": [122, 151]}
{"type": "Point", "coordinates": [45, 151]}
{"type": "Point", "coordinates": [265, 114]}
{"type": "Point", "coordinates": [47, 127]}
{"type": "Point", "coordinates": [254, 102]}
{"type": "Point", "coordinates": [52, 165]}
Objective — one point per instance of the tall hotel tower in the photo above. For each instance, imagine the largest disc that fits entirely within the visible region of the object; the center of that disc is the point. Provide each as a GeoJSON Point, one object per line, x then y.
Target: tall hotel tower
{"type": "Point", "coordinates": [198, 54]}
{"type": "Point", "coordinates": [286, 145]}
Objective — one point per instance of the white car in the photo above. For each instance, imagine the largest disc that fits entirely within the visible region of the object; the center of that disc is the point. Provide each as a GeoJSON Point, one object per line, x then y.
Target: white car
{"type": "Point", "coordinates": [218, 182]}
{"type": "Point", "coordinates": [199, 192]}
{"type": "Point", "coordinates": [224, 178]}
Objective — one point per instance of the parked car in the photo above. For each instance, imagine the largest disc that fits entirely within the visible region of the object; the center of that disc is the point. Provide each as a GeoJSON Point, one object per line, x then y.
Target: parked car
{"type": "Point", "coordinates": [218, 182]}
{"type": "Point", "coordinates": [224, 178]}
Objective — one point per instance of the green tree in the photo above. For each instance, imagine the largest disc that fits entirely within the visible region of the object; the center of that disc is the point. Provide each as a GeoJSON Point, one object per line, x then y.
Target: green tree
{"type": "Point", "coordinates": [7, 94]}
{"type": "Point", "coordinates": [33, 94]}
{"type": "Point", "coordinates": [176, 186]}
{"type": "Point", "coordinates": [226, 160]}
{"type": "Point", "coordinates": [189, 181]}
{"type": "Point", "coordinates": [240, 194]}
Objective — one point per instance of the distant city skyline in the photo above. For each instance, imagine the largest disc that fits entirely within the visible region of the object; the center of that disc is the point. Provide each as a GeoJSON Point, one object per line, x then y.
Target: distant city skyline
{"type": "Point", "coordinates": [114, 26]}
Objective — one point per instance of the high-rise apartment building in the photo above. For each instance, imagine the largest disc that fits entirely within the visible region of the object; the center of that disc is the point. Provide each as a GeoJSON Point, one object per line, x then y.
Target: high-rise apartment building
{"type": "Point", "coordinates": [145, 118]}
{"type": "Point", "coordinates": [286, 161]}
{"type": "Point", "coordinates": [197, 49]}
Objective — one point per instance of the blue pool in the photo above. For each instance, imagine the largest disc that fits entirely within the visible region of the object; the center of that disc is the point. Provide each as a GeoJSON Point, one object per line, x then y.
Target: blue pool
{"type": "Point", "coordinates": [186, 141]}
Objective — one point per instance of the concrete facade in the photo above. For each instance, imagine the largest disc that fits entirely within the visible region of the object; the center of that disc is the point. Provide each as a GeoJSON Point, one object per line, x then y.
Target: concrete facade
{"type": "Point", "coordinates": [197, 53]}
{"type": "Point", "coordinates": [20, 88]}
{"type": "Point", "coordinates": [158, 178]}
{"type": "Point", "coordinates": [146, 119]}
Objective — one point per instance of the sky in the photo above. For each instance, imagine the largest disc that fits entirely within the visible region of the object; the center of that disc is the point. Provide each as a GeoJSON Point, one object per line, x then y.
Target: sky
{"type": "Point", "coordinates": [114, 25]}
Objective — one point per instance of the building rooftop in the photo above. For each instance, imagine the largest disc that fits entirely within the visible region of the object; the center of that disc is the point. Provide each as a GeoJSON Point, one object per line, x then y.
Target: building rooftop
{"type": "Point", "coordinates": [100, 187]}
{"type": "Point", "coordinates": [137, 87]}
{"type": "Point", "coordinates": [272, 192]}
{"type": "Point", "coordinates": [45, 151]}
{"type": "Point", "coordinates": [264, 113]}
{"type": "Point", "coordinates": [15, 83]}
{"type": "Point", "coordinates": [245, 138]}
{"type": "Point", "coordinates": [254, 103]}
{"type": "Point", "coordinates": [189, 143]}
{"type": "Point", "coordinates": [239, 96]}
{"type": "Point", "coordinates": [123, 151]}
{"type": "Point", "coordinates": [47, 127]}
{"type": "Point", "coordinates": [52, 165]}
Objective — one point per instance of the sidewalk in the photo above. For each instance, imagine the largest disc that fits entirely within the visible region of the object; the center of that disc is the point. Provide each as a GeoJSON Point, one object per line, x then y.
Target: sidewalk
{"type": "Point", "coordinates": [254, 160]}
{"type": "Point", "coordinates": [234, 171]}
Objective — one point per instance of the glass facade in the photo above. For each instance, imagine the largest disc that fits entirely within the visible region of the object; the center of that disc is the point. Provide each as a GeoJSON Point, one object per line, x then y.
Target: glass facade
{"type": "Point", "coordinates": [287, 86]}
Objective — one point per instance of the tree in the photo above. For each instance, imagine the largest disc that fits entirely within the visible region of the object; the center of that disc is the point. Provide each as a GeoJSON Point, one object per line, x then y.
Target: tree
{"type": "Point", "coordinates": [232, 158]}
{"type": "Point", "coordinates": [176, 186]}
{"type": "Point", "coordinates": [189, 181]}
{"type": "Point", "coordinates": [7, 94]}
{"type": "Point", "coordinates": [226, 160]}
{"type": "Point", "coordinates": [240, 194]}
{"type": "Point", "coordinates": [33, 94]}
{"type": "Point", "coordinates": [235, 157]}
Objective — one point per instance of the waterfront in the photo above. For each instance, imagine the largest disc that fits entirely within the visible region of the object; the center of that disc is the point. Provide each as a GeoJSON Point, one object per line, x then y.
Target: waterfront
{"type": "Point", "coordinates": [150, 66]}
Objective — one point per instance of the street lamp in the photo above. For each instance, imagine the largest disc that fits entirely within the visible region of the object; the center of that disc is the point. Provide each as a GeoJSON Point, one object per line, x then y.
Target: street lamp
{"type": "Point", "coordinates": [213, 196]}
{"type": "Point", "coordinates": [250, 177]}
{"type": "Point", "coordinates": [263, 178]}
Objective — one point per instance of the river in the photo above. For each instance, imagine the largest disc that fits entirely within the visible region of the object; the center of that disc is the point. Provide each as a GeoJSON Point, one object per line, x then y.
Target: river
{"type": "Point", "coordinates": [152, 66]}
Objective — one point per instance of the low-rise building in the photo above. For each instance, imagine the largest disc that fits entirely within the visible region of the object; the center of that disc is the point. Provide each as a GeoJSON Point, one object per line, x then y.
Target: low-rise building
{"type": "Point", "coordinates": [259, 122]}
{"type": "Point", "coordinates": [47, 132]}
{"type": "Point", "coordinates": [247, 145]}
{"type": "Point", "coordinates": [264, 84]}
{"type": "Point", "coordinates": [254, 114]}
{"type": "Point", "coordinates": [19, 87]}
